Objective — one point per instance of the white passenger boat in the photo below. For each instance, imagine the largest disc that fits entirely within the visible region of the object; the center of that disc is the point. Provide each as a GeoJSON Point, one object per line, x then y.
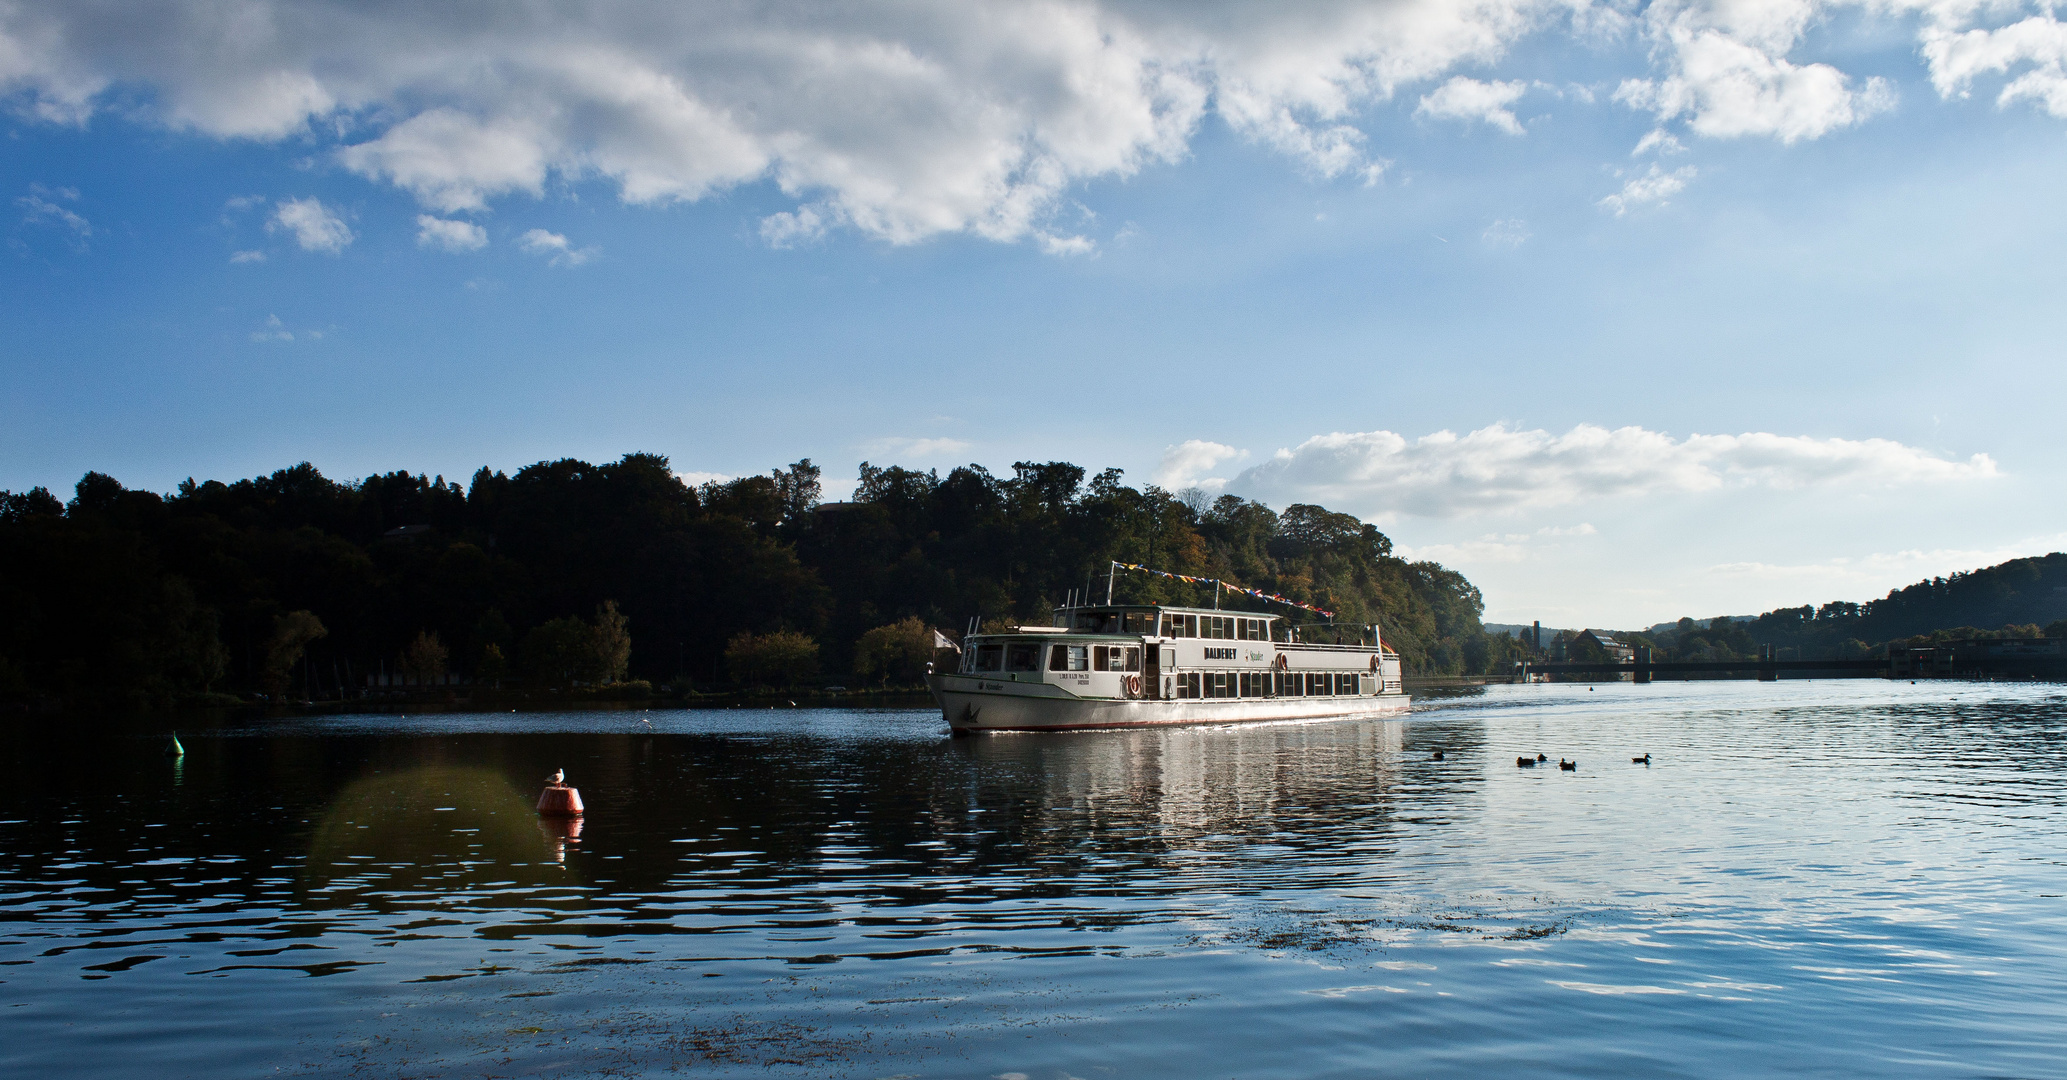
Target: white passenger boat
{"type": "Point", "coordinates": [1114, 666]}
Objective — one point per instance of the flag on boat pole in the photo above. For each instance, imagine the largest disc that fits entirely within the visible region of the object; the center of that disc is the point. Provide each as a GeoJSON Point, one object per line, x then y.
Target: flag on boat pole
{"type": "Point", "coordinates": [1257, 593]}
{"type": "Point", "coordinates": [940, 641]}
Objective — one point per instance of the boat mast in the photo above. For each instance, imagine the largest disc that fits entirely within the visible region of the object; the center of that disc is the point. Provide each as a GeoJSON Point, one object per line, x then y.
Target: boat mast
{"type": "Point", "coordinates": [1110, 569]}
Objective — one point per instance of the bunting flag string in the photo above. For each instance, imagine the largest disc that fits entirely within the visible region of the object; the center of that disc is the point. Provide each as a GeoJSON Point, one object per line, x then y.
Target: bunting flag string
{"type": "Point", "coordinates": [1229, 586]}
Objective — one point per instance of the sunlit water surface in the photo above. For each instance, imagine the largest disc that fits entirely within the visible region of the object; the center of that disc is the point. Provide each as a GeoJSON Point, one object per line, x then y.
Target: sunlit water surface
{"type": "Point", "coordinates": [1820, 879]}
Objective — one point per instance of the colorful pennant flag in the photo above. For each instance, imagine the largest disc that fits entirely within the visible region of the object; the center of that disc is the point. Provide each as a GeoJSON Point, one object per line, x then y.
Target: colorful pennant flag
{"type": "Point", "coordinates": [1257, 593]}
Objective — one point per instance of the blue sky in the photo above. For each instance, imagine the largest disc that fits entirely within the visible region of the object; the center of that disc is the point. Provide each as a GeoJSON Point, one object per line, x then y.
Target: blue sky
{"type": "Point", "coordinates": [1628, 312]}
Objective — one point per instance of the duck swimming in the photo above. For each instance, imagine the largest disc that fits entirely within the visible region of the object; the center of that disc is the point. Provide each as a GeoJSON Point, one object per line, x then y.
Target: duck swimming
{"type": "Point", "coordinates": [1644, 760]}
{"type": "Point", "coordinates": [1568, 766]}
{"type": "Point", "coordinates": [1524, 762]}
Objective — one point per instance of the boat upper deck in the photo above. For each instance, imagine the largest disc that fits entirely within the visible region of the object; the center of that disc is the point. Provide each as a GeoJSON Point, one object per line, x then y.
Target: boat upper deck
{"type": "Point", "coordinates": [1154, 620]}
{"type": "Point", "coordinates": [1140, 622]}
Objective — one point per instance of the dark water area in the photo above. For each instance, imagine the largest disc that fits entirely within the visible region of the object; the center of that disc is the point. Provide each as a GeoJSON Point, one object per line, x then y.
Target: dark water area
{"type": "Point", "coordinates": [1810, 879]}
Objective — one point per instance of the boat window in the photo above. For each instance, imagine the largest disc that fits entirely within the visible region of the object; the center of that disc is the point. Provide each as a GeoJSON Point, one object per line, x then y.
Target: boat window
{"type": "Point", "coordinates": [1070, 658]}
{"type": "Point", "coordinates": [1023, 657]}
{"type": "Point", "coordinates": [1133, 659]}
{"type": "Point", "coordinates": [1188, 685]}
{"type": "Point", "coordinates": [1114, 658]}
{"type": "Point", "coordinates": [990, 657]}
{"type": "Point", "coordinates": [1098, 622]}
{"type": "Point", "coordinates": [1138, 622]}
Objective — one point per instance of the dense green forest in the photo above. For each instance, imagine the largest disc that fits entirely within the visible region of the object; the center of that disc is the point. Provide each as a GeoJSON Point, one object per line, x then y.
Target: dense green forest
{"type": "Point", "coordinates": [2019, 598]}
{"type": "Point", "coordinates": [569, 573]}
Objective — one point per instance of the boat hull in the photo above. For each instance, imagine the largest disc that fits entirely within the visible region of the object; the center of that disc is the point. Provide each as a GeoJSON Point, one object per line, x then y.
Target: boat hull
{"type": "Point", "coordinates": [976, 704]}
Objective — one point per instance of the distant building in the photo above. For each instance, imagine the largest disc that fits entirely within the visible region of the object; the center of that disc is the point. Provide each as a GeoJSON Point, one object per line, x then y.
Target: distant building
{"type": "Point", "coordinates": [1617, 652]}
{"type": "Point", "coordinates": [2030, 658]}
{"type": "Point", "coordinates": [1592, 647]}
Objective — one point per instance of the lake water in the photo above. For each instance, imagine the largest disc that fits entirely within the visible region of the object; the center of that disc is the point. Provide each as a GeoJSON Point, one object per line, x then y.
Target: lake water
{"type": "Point", "coordinates": [1845, 878]}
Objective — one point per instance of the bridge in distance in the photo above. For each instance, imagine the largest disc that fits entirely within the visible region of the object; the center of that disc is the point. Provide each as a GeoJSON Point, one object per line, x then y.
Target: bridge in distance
{"type": "Point", "coordinates": [1765, 667]}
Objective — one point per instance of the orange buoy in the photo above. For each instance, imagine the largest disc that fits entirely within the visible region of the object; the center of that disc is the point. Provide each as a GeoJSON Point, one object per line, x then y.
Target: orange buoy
{"type": "Point", "coordinates": [558, 800]}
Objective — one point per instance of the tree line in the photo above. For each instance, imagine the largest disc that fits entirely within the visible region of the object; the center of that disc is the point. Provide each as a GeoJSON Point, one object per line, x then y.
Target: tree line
{"type": "Point", "coordinates": [567, 573]}
{"type": "Point", "coordinates": [2021, 598]}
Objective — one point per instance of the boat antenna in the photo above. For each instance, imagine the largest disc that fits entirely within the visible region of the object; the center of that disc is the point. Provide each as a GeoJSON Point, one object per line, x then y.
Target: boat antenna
{"type": "Point", "coordinates": [1110, 569]}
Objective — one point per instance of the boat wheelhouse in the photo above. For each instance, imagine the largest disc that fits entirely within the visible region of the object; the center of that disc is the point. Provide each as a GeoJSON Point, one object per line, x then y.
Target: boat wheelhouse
{"type": "Point", "coordinates": [1119, 665]}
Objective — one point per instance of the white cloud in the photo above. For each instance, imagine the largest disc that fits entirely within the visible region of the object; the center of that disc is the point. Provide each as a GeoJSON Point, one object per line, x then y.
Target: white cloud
{"type": "Point", "coordinates": [1185, 465]}
{"type": "Point", "coordinates": [788, 229]}
{"type": "Point", "coordinates": [1660, 140]}
{"type": "Point", "coordinates": [273, 330]}
{"type": "Point", "coordinates": [899, 122]}
{"type": "Point", "coordinates": [1957, 56]}
{"type": "Point", "coordinates": [1655, 186]}
{"type": "Point", "coordinates": [1508, 232]}
{"type": "Point", "coordinates": [449, 235]}
{"type": "Point", "coordinates": [1471, 100]}
{"type": "Point", "coordinates": [1867, 576]}
{"type": "Point", "coordinates": [695, 478]}
{"type": "Point", "coordinates": [561, 250]}
{"type": "Point", "coordinates": [1065, 245]}
{"type": "Point", "coordinates": [907, 121]}
{"type": "Point", "coordinates": [1497, 469]}
{"type": "Point", "coordinates": [1491, 548]}
{"type": "Point", "coordinates": [915, 449]}
{"type": "Point", "coordinates": [247, 256]}
{"type": "Point", "coordinates": [1494, 547]}
{"type": "Point", "coordinates": [315, 226]}
{"type": "Point", "coordinates": [40, 210]}
{"type": "Point", "coordinates": [1730, 76]}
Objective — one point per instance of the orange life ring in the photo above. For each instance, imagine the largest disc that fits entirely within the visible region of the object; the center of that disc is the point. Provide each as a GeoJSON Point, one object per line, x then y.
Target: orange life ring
{"type": "Point", "coordinates": [1374, 665]}
{"type": "Point", "coordinates": [1282, 665]}
{"type": "Point", "coordinates": [1132, 683]}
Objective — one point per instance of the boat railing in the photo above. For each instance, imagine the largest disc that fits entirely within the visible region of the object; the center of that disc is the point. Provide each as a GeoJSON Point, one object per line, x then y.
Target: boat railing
{"type": "Point", "coordinates": [1316, 646]}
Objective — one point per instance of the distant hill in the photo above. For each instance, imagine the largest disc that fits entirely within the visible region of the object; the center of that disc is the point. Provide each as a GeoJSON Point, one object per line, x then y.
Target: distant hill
{"type": "Point", "coordinates": [2027, 595]}
{"type": "Point", "coordinates": [1521, 630]}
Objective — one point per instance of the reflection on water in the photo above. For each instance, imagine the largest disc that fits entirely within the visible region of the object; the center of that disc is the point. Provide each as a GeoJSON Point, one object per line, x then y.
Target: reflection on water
{"type": "Point", "coordinates": [433, 834]}
{"type": "Point", "coordinates": [1854, 877]}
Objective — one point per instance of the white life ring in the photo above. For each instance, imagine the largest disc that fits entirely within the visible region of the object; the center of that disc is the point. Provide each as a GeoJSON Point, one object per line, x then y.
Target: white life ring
{"type": "Point", "coordinates": [1374, 665]}
{"type": "Point", "coordinates": [1132, 684]}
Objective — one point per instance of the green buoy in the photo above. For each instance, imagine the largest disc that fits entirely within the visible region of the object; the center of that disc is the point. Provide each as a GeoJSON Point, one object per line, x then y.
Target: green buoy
{"type": "Point", "coordinates": [175, 750]}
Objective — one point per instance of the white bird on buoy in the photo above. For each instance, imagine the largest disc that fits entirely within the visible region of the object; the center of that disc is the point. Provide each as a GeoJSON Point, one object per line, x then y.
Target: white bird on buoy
{"type": "Point", "coordinates": [559, 777]}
